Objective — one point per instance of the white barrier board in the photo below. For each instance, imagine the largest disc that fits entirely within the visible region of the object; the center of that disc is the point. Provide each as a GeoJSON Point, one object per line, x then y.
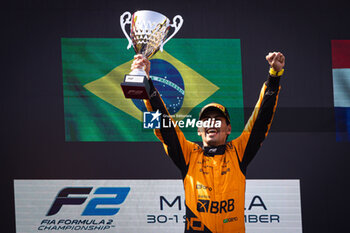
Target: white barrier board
{"type": "Point", "coordinates": [148, 206]}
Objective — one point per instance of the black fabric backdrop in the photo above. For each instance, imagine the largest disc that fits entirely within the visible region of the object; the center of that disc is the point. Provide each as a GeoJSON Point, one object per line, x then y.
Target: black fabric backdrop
{"type": "Point", "coordinates": [33, 145]}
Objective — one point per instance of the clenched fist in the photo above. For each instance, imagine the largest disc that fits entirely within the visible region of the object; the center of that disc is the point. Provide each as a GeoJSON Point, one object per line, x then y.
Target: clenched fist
{"type": "Point", "coordinates": [276, 60]}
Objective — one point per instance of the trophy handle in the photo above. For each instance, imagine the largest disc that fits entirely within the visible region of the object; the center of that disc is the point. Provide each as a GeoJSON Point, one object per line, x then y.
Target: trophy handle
{"type": "Point", "coordinates": [176, 29]}
{"type": "Point", "coordinates": [122, 24]}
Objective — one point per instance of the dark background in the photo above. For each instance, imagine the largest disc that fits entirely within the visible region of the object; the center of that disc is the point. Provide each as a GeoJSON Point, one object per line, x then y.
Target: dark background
{"type": "Point", "coordinates": [32, 118]}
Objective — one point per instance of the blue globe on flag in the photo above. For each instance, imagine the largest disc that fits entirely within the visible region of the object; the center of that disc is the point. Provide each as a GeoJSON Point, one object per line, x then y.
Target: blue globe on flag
{"type": "Point", "coordinates": [168, 81]}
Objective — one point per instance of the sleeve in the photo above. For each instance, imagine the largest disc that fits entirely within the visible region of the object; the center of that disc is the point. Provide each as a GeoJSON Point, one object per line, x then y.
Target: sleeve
{"type": "Point", "coordinates": [174, 141]}
{"type": "Point", "coordinates": [258, 125]}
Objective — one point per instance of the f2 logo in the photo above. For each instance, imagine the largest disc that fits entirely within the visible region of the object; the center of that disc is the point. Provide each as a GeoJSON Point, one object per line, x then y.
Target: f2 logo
{"type": "Point", "coordinates": [91, 208]}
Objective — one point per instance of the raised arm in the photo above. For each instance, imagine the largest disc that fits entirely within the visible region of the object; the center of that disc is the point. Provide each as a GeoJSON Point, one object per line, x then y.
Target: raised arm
{"type": "Point", "coordinates": [175, 143]}
{"type": "Point", "coordinates": [258, 125]}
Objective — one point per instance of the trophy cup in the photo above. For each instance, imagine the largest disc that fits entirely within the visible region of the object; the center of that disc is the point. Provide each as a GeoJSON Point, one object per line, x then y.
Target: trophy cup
{"type": "Point", "coordinates": [148, 34]}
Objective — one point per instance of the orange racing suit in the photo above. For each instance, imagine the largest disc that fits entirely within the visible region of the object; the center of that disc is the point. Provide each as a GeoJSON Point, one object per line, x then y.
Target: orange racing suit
{"type": "Point", "coordinates": [214, 177]}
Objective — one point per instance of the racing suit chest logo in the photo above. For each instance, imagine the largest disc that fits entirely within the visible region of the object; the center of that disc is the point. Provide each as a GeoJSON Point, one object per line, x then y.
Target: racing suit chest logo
{"type": "Point", "coordinates": [214, 207]}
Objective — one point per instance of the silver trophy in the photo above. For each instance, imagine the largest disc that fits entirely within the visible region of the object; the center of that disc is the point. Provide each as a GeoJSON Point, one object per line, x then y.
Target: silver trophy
{"type": "Point", "coordinates": [148, 34]}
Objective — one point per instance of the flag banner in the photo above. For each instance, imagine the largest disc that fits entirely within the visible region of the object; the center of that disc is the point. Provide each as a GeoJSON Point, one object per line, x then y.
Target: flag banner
{"type": "Point", "coordinates": [148, 206]}
{"type": "Point", "coordinates": [341, 87]}
{"type": "Point", "coordinates": [189, 74]}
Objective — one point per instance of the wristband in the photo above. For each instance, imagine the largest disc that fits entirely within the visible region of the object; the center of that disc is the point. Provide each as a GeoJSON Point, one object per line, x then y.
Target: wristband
{"type": "Point", "coordinates": [274, 73]}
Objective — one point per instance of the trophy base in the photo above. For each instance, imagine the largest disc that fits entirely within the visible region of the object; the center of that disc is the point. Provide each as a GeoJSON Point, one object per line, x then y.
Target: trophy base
{"type": "Point", "coordinates": [135, 87]}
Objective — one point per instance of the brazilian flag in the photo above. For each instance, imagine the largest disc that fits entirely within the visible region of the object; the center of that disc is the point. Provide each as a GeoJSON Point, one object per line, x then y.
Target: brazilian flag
{"type": "Point", "coordinates": [189, 74]}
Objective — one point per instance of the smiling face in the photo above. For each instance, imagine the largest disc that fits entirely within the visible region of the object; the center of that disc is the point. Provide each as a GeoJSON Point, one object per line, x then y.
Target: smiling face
{"type": "Point", "coordinates": [214, 136]}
